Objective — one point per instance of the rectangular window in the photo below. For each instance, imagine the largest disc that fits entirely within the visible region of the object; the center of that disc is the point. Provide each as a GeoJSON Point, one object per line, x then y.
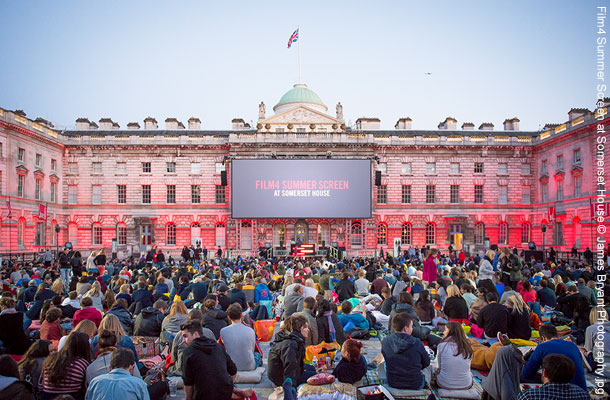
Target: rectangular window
{"type": "Point", "coordinates": [430, 168]}
{"type": "Point", "coordinates": [502, 194]}
{"type": "Point", "coordinates": [558, 238]}
{"type": "Point", "coordinates": [478, 168]}
{"type": "Point", "coordinates": [53, 192]}
{"type": "Point", "coordinates": [455, 194]}
{"type": "Point", "coordinates": [560, 162]}
{"type": "Point", "coordinates": [40, 234]}
{"type": "Point", "coordinates": [406, 194]}
{"type": "Point", "coordinates": [170, 167]}
{"type": "Point", "coordinates": [576, 157]}
{"type": "Point", "coordinates": [454, 168]}
{"type": "Point", "coordinates": [146, 194]}
{"type": "Point", "coordinates": [526, 169]}
{"type": "Point", "coordinates": [20, 185]}
{"type": "Point", "coordinates": [121, 168]}
{"type": "Point", "coordinates": [21, 155]}
{"type": "Point", "coordinates": [559, 190]}
{"type": "Point", "coordinates": [96, 194]}
{"type": "Point", "coordinates": [430, 194]}
{"type": "Point", "coordinates": [37, 194]}
{"type": "Point", "coordinates": [220, 194]}
{"type": "Point", "coordinates": [96, 168]}
{"type": "Point", "coordinates": [38, 160]}
{"type": "Point", "coordinates": [544, 192]}
{"type": "Point", "coordinates": [577, 185]}
{"type": "Point", "coordinates": [146, 169]}
{"type": "Point", "coordinates": [478, 194]}
{"type": "Point", "coordinates": [72, 194]}
{"type": "Point", "coordinates": [53, 164]}
{"type": "Point", "coordinates": [121, 235]}
{"type": "Point", "coordinates": [121, 194]}
{"type": "Point", "coordinates": [96, 235]}
{"type": "Point", "coordinates": [383, 168]}
{"type": "Point", "coordinates": [220, 167]}
{"type": "Point", "coordinates": [502, 169]}
{"type": "Point", "coordinates": [171, 235]}
{"type": "Point", "coordinates": [406, 168]}
{"type": "Point", "coordinates": [73, 168]}
{"type": "Point", "coordinates": [195, 168]}
{"type": "Point", "coordinates": [544, 167]}
{"type": "Point", "coordinates": [526, 195]}
{"type": "Point", "coordinates": [171, 194]}
{"type": "Point", "coordinates": [382, 194]}
{"type": "Point", "coordinates": [195, 194]}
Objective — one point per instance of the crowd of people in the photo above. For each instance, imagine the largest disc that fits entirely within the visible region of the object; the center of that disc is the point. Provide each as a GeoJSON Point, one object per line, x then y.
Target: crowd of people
{"type": "Point", "coordinates": [70, 326]}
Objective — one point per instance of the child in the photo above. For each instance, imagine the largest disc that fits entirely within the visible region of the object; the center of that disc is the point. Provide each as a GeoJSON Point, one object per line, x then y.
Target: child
{"type": "Point", "coordinates": [352, 366]}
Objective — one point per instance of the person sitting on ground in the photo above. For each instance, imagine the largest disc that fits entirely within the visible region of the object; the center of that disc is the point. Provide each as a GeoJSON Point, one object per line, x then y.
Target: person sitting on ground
{"type": "Point", "coordinates": [467, 291]}
{"type": "Point", "coordinates": [329, 327]}
{"type": "Point", "coordinates": [124, 294]}
{"type": "Point", "coordinates": [345, 288]}
{"type": "Point", "coordinates": [288, 352]}
{"type": "Point", "coordinates": [598, 318]}
{"type": "Point", "coordinates": [171, 324]}
{"type": "Point", "coordinates": [424, 307]}
{"type": "Point", "coordinates": [142, 295]}
{"type": "Point", "coordinates": [161, 288]}
{"type": "Point", "coordinates": [12, 336]}
{"type": "Point", "coordinates": [478, 304]}
{"type": "Point", "coordinates": [67, 310]}
{"type": "Point", "coordinates": [224, 301]}
{"type": "Point", "coordinates": [362, 285]}
{"type": "Point", "coordinates": [107, 344]}
{"type": "Point", "coordinates": [378, 284]}
{"type": "Point", "coordinates": [239, 341]}
{"type": "Point", "coordinates": [351, 321]}
{"type": "Point", "coordinates": [455, 306]}
{"type": "Point", "coordinates": [551, 344]}
{"type": "Point", "coordinates": [388, 301]}
{"type": "Point", "coordinates": [494, 317]}
{"type": "Point", "coordinates": [293, 302]}
{"type": "Point", "coordinates": [30, 366]}
{"type": "Point", "coordinates": [150, 320]}
{"type": "Point", "coordinates": [575, 305]}
{"type": "Point", "coordinates": [87, 311]}
{"type": "Point", "coordinates": [112, 324]}
{"type": "Point", "coordinates": [119, 382]}
{"type": "Point", "coordinates": [528, 294]}
{"type": "Point", "coordinates": [309, 305]}
{"type": "Point", "coordinates": [519, 320]}
{"type": "Point", "coordinates": [454, 355]}
{"type": "Point", "coordinates": [10, 385]}
{"type": "Point", "coordinates": [51, 328]}
{"type": "Point", "coordinates": [352, 366]}
{"type": "Point", "coordinates": [546, 295]}
{"type": "Point", "coordinates": [404, 355]}
{"type": "Point", "coordinates": [120, 310]}
{"type": "Point", "coordinates": [213, 318]}
{"type": "Point", "coordinates": [557, 373]}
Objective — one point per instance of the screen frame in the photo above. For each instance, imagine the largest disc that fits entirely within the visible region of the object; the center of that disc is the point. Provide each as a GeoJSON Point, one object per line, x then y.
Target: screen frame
{"type": "Point", "coordinates": [370, 190]}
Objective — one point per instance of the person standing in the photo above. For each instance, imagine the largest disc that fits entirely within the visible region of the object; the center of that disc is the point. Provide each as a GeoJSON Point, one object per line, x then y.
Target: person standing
{"type": "Point", "coordinates": [65, 266]}
{"type": "Point", "coordinates": [430, 271]}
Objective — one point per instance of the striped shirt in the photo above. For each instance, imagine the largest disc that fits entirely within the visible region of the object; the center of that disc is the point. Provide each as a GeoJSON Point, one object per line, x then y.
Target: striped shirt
{"type": "Point", "coordinates": [73, 382]}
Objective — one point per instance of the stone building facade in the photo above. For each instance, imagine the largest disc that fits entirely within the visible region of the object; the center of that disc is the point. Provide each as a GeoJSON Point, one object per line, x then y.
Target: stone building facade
{"type": "Point", "coordinates": [145, 186]}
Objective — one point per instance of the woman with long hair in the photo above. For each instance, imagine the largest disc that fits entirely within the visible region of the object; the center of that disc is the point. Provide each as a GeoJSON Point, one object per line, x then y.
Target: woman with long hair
{"type": "Point", "coordinates": [479, 303]}
{"type": "Point", "coordinates": [30, 366]}
{"type": "Point", "coordinates": [424, 308]}
{"type": "Point", "coordinates": [288, 352]}
{"type": "Point", "coordinates": [454, 356]}
{"type": "Point", "coordinates": [96, 296]}
{"type": "Point", "coordinates": [109, 299]}
{"type": "Point", "coordinates": [58, 287]}
{"type": "Point", "coordinates": [486, 270]}
{"type": "Point", "coordinates": [171, 324]}
{"type": "Point", "coordinates": [519, 322]}
{"type": "Point", "coordinates": [124, 293]}
{"type": "Point", "coordinates": [329, 326]}
{"type": "Point", "coordinates": [111, 323]}
{"type": "Point", "coordinates": [63, 372]}
{"type": "Point", "coordinates": [455, 308]}
{"type": "Point", "coordinates": [85, 326]}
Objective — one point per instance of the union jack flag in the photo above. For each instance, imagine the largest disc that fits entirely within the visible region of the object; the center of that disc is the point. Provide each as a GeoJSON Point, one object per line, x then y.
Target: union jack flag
{"type": "Point", "coordinates": [293, 38]}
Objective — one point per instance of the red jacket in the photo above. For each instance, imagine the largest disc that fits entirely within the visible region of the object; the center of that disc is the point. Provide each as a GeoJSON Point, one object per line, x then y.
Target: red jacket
{"type": "Point", "coordinates": [90, 313]}
{"type": "Point", "coordinates": [51, 330]}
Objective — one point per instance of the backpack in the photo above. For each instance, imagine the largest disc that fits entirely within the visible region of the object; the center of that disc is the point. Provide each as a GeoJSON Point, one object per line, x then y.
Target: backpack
{"type": "Point", "coordinates": [358, 333]}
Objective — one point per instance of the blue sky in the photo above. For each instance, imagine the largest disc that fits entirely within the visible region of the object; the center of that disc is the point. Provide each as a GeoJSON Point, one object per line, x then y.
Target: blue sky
{"type": "Point", "coordinates": [489, 60]}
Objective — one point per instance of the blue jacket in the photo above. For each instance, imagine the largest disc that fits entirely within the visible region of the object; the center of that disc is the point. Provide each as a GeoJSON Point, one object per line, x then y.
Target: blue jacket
{"type": "Point", "coordinates": [117, 384]}
{"type": "Point", "coordinates": [262, 292]}
{"type": "Point", "coordinates": [405, 357]}
{"type": "Point", "coordinates": [555, 346]}
{"type": "Point", "coordinates": [357, 319]}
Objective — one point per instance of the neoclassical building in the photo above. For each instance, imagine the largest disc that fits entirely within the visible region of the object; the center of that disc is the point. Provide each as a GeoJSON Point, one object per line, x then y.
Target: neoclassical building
{"type": "Point", "coordinates": [144, 185]}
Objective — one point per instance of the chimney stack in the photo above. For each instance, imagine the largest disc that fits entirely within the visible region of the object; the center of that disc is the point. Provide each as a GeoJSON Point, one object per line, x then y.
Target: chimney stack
{"type": "Point", "coordinates": [194, 123]}
{"type": "Point", "coordinates": [106, 124]}
{"type": "Point", "coordinates": [171, 124]}
{"type": "Point", "coordinates": [83, 124]}
{"type": "Point", "coordinates": [133, 126]}
{"type": "Point", "coordinates": [150, 123]}
{"type": "Point", "coordinates": [511, 124]}
{"type": "Point", "coordinates": [468, 126]}
{"type": "Point", "coordinates": [403, 123]}
{"type": "Point", "coordinates": [238, 124]}
{"type": "Point", "coordinates": [364, 124]}
{"type": "Point", "coordinates": [577, 112]}
{"type": "Point", "coordinates": [449, 123]}
{"type": "Point", "coordinates": [486, 126]}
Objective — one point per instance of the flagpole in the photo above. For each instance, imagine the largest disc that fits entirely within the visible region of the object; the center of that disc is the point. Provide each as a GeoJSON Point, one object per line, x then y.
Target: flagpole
{"type": "Point", "coordinates": [299, 43]}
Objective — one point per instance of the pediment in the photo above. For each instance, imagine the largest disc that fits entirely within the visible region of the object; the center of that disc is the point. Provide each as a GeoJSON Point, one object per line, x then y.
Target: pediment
{"type": "Point", "coordinates": [301, 115]}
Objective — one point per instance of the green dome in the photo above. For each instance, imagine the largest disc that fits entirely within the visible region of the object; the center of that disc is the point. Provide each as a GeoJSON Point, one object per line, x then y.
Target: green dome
{"type": "Point", "coordinates": [300, 94]}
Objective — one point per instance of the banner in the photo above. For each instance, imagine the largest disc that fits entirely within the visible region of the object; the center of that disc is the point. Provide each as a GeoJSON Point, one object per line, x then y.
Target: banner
{"type": "Point", "coordinates": [42, 212]}
{"type": "Point", "coordinates": [598, 208]}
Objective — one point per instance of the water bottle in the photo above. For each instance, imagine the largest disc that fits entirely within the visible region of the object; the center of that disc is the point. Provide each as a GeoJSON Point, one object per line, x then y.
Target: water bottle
{"type": "Point", "coordinates": [328, 361]}
{"type": "Point", "coordinates": [172, 388]}
{"type": "Point", "coordinates": [314, 362]}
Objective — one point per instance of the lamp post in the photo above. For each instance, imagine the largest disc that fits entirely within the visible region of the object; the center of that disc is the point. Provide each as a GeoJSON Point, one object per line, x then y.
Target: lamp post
{"type": "Point", "coordinates": [57, 229]}
{"type": "Point", "coordinates": [543, 235]}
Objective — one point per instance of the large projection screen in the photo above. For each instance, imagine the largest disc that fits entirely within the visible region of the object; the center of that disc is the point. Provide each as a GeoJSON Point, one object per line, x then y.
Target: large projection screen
{"type": "Point", "coordinates": [300, 188]}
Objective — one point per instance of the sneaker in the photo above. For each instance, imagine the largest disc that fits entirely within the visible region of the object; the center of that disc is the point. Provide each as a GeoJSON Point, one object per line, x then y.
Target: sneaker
{"type": "Point", "coordinates": [503, 338]}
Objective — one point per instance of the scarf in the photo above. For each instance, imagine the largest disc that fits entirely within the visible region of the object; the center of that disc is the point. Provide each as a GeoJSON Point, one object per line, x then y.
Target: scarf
{"type": "Point", "coordinates": [331, 328]}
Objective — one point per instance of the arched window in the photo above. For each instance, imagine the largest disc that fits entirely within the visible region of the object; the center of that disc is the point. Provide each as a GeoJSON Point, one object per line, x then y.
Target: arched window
{"type": "Point", "coordinates": [96, 234]}
{"type": "Point", "coordinates": [20, 231]}
{"type": "Point", "coordinates": [221, 235]}
{"type": "Point", "coordinates": [323, 234]}
{"type": "Point", "coordinates": [405, 234]}
{"type": "Point", "coordinates": [382, 234]}
{"type": "Point", "coordinates": [479, 233]}
{"type": "Point", "coordinates": [246, 235]}
{"type": "Point", "coordinates": [170, 234]}
{"type": "Point", "coordinates": [279, 234]}
{"type": "Point", "coordinates": [503, 233]}
{"type": "Point", "coordinates": [430, 233]}
{"type": "Point", "coordinates": [525, 233]}
{"type": "Point", "coordinates": [121, 234]}
{"type": "Point", "coordinates": [356, 235]}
